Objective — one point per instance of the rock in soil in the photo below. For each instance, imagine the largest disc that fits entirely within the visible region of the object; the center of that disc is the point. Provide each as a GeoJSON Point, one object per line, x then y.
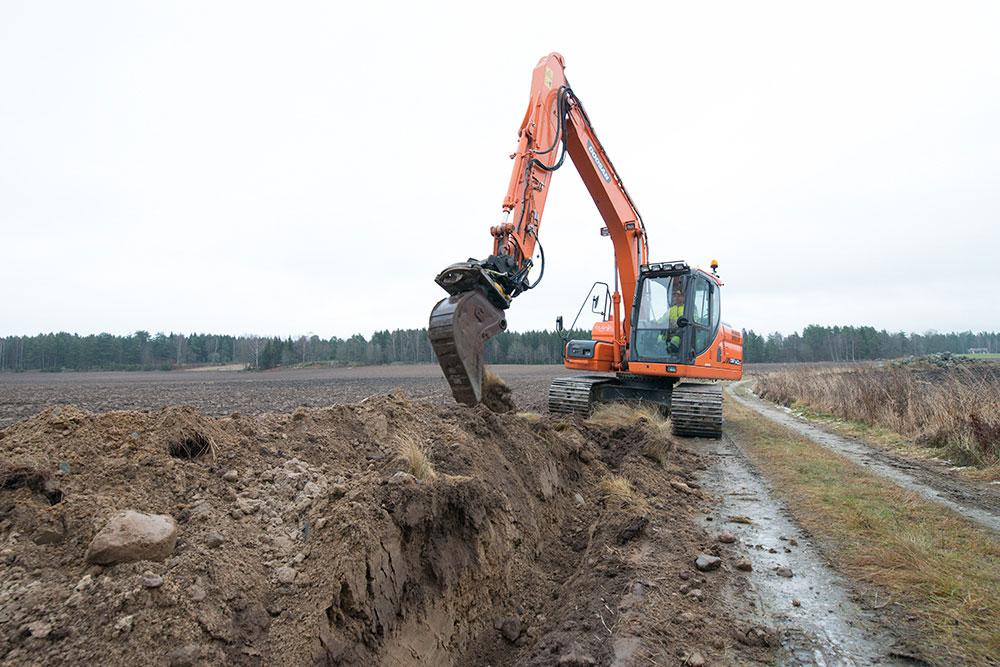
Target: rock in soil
{"type": "Point", "coordinates": [37, 629]}
{"type": "Point", "coordinates": [707, 563]}
{"type": "Point", "coordinates": [744, 565]}
{"type": "Point", "coordinates": [726, 537]}
{"type": "Point", "coordinates": [511, 629]}
{"type": "Point", "coordinates": [214, 540]}
{"type": "Point", "coordinates": [151, 580]}
{"type": "Point", "coordinates": [131, 536]}
{"type": "Point", "coordinates": [695, 660]}
{"type": "Point", "coordinates": [185, 656]}
{"type": "Point", "coordinates": [576, 658]}
{"type": "Point", "coordinates": [783, 571]}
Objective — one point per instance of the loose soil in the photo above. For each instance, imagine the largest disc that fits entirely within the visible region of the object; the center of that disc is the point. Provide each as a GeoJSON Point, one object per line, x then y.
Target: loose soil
{"type": "Point", "coordinates": [305, 540]}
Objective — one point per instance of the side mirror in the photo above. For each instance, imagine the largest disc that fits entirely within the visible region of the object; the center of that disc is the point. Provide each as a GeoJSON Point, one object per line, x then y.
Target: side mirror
{"type": "Point", "coordinates": [683, 322]}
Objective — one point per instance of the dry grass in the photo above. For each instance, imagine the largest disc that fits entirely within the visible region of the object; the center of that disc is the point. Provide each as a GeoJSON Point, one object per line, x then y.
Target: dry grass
{"type": "Point", "coordinates": [416, 459]}
{"type": "Point", "coordinates": [934, 564]}
{"type": "Point", "coordinates": [955, 410]}
{"type": "Point", "coordinates": [657, 450]}
{"type": "Point", "coordinates": [618, 490]}
{"type": "Point", "coordinates": [658, 442]}
{"type": "Point", "coordinates": [624, 414]}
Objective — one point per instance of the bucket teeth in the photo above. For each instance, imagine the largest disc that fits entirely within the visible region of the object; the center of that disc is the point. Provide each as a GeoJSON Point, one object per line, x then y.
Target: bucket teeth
{"type": "Point", "coordinates": [459, 328]}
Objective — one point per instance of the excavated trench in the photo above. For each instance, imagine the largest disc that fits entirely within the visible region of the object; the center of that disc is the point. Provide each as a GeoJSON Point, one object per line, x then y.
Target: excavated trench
{"type": "Point", "coordinates": [304, 538]}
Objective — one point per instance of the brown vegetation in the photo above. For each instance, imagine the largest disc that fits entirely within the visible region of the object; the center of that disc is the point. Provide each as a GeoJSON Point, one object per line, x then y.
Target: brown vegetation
{"type": "Point", "coordinates": [953, 408]}
{"type": "Point", "coordinates": [416, 459]}
{"type": "Point", "coordinates": [924, 562]}
{"type": "Point", "coordinates": [658, 442]}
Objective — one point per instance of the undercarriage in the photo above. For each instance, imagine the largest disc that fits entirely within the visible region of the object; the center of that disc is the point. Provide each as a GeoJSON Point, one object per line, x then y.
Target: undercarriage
{"type": "Point", "coordinates": [695, 409]}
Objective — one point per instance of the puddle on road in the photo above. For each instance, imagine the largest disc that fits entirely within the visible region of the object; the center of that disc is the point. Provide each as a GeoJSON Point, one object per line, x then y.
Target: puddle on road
{"type": "Point", "coordinates": [829, 628]}
{"type": "Point", "coordinates": [864, 455]}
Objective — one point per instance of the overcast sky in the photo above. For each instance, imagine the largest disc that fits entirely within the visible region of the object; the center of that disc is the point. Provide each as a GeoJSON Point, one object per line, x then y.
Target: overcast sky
{"type": "Point", "coordinates": [295, 167]}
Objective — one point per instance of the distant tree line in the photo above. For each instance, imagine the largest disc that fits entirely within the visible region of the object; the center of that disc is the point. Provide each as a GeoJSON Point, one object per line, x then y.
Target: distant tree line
{"type": "Point", "coordinates": [145, 351]}
{"type": "Point", "coordinates": [818, 343]}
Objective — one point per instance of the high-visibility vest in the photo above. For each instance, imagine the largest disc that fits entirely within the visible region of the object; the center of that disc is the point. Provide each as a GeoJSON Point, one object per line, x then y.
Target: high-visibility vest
{"type": "Point", "coordinates": [675, 313]}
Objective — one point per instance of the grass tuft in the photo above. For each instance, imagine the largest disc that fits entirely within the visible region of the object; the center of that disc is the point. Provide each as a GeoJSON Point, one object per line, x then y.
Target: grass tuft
{"type": "Point", "coordinates": [618, 490]}
{"type": "Point", "coordinates": [624, 414]}
{"type": "Point", "coordinates": [658, 442]}
{"type": "Point", "coordinates": [416, 459]}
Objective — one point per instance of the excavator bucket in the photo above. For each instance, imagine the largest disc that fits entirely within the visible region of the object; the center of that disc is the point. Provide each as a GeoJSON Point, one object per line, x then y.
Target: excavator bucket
{"type": "Point", "coordinates": [459, 328]}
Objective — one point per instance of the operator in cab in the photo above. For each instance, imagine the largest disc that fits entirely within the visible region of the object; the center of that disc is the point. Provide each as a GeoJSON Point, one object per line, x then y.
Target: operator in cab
{"type": "Point", "coordinates": [674, 313]}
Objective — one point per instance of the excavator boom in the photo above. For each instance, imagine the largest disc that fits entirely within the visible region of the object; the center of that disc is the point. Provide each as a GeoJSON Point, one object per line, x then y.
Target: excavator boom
{"type": "Point", "coordinates": [555, 125]}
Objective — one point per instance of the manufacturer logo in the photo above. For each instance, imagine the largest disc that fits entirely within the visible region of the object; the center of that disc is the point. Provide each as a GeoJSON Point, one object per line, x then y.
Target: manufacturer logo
{"type": "Point", "coordinates": [600, 165]}
{"type": "Point", "coordinates": [548, 78]}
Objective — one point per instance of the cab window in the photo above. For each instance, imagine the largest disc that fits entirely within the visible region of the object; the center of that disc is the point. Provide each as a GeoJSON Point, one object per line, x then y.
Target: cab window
{"type": "Point", "coordinates": [658, 334]}
{"type": "Point", "coordinates": [703, 313]}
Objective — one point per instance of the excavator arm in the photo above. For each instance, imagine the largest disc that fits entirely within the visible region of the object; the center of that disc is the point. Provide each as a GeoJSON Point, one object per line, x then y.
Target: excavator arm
{"type": "Point", "coordinates": [555, 125]}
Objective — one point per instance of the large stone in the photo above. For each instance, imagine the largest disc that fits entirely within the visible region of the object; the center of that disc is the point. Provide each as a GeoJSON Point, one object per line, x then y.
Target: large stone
{"type": "Point", "coordinates": [131, 536]}
{"type": "Point", "coordinates": [695, 660]}
{"type": "Point", "coordinates": [286, 575]}
{"type": "Point", "coordinates": [511, 628]}
{"type": "Point", "coordinates": [706, 563]}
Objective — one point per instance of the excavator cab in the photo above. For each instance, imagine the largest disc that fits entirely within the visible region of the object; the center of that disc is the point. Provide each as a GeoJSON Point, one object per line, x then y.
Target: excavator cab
{"type": "Point", "coordinates": [660, 328]}
{"type": "Point", "coordinates": [676, 315]}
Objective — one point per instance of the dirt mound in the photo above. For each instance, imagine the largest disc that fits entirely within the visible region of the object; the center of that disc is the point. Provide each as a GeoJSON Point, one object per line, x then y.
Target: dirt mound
{"type": "Point", "coordinates": [303, 539]}
{"type": "Point", "coordinates": [497, 396]}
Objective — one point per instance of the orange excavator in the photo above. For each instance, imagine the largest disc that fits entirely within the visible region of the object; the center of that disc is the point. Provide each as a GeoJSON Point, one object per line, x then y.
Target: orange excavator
{"type": "Point", "coordinates": [660, 339]}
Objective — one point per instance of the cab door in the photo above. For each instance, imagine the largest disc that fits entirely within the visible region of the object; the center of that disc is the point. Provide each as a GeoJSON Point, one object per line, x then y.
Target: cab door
{"type": "Point", "coordinates": [702, 313]}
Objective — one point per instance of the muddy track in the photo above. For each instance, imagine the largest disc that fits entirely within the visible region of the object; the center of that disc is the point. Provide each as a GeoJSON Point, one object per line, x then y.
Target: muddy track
{"type": "Point", "coordinates": [979, 502]}
{"type": "Point", "coordinates": [812, 611]}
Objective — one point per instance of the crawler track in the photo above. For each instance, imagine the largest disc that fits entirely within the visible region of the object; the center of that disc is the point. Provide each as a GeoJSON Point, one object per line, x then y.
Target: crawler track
{"type": "Point", "coordinates": [574, 395]}
{"type": "Point", "coordinates": [696, 410]}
